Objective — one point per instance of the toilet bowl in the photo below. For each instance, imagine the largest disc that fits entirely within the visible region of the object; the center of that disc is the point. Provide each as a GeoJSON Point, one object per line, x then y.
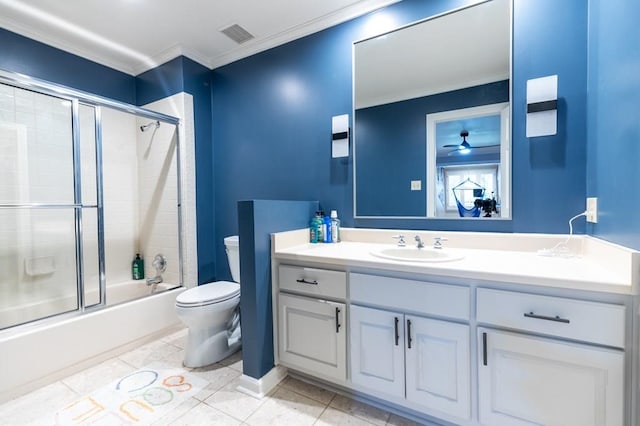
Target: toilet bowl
{"type": "Point", "coordinates": [210, 312]}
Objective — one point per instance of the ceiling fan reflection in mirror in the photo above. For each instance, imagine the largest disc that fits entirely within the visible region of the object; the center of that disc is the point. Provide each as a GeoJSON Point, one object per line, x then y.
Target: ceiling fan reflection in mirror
{"type": "Point", "coordinates": [465, 147]}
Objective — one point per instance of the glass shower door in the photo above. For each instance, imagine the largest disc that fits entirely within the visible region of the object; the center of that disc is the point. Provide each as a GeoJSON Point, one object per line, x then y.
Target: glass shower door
{"type": "Point", "coordinates": [38, 253]}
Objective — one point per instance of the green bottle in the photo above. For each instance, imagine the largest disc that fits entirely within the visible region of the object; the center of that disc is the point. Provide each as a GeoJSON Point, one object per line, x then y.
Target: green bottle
{"type": "Point", "coordinates": [137, 268]}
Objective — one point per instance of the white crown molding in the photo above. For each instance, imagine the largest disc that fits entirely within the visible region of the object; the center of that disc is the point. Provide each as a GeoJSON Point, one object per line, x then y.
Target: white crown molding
{"type": "Point", "coordinates": [345, 14]}
{"type": "Point", "coordinates": [135, 64]}
{"type": "Point", "coordinates": [120, 64]}
{"type": "Point", "coordinates": [168, 55]}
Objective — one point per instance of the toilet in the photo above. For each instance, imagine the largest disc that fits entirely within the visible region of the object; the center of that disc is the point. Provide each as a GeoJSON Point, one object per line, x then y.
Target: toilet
{"type": "Point", "coordinates": [211, 313]}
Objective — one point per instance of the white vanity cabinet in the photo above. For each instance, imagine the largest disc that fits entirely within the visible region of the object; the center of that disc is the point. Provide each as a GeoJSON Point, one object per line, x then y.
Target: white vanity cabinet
{"type": "Point", "coordinates": [530, 380]}
{"type": "Point", "coordinates": [408, 356]}
{"type": "Point", "coordinates": [311, 328]}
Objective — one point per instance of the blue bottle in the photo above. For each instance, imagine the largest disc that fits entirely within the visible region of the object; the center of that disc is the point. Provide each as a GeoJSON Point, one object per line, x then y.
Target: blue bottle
{"type": "Point", "coordinates": [326, 228]}
{"type": "Point", "coordinates": [313, 230]}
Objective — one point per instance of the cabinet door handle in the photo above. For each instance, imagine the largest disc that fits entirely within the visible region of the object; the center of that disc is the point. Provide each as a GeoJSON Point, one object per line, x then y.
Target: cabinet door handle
{"type": "Point", "coordinates": [484, 348]}
{"type": "Point", "coordinates": [338, 320]}
{"type": "Point", "coordinates": [304, 281]}
{"type": "Point", "coordinates": [408, 334]}
{"type": "Point", "coordinates": [396, 328]}
{"type": "Point", "coordinates": [546, 318]}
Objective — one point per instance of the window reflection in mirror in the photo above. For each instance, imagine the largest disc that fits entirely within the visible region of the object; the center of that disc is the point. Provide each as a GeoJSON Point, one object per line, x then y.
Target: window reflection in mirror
{"type": "Point", "coordinates": [454, 61]}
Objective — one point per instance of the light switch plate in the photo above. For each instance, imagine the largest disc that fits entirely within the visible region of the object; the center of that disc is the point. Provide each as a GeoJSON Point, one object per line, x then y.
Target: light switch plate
{"type": "Point", "coordinates": [416, 185]}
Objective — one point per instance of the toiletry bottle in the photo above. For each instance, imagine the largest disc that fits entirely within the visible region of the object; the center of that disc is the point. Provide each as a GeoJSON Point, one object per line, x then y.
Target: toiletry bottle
{"type": "Point", "coordinates": [320, 221]}
{"type": "Point", "coordinates": [313, 230]}
{"type": "Point", "coordinates": [137, 268]}
{"type": "Point", "coordinates": [335, 227]}
{"type": "Point", "coordinates": [326, 228]}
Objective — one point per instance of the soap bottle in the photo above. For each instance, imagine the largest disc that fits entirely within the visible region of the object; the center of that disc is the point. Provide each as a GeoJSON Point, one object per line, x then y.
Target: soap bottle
{"type": "Point", "coordinates": [335, 227]}
{"type": "Point", "coordinates": [326, 228]}
{"type": "Point", "coordinates": [313, 230]}
{"type": "Point", "coordinates": [137, 268]}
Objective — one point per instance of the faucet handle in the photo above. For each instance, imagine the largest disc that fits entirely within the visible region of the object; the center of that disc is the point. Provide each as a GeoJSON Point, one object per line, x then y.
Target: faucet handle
{"type": "Point", "coordinates": [437, 242]}
{"type": "Point", "coordinates": [401, 241]}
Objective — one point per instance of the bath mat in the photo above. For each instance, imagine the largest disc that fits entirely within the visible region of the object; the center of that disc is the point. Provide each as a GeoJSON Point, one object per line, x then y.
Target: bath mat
{"type": "Point", "coordinates": [140, 398]}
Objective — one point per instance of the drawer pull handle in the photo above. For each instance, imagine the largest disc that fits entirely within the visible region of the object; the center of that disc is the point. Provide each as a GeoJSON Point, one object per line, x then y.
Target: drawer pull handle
{"type": "Point", "coordinates": [543, 317]}
{"type": "Point", "coordinates": [409, 334]}
{"type": "Point", "coordinates": [337, 320]}
{"type": "Point", "coordinates": [304, 281]}
{"type": "Point", "coordinates": [396, 328]}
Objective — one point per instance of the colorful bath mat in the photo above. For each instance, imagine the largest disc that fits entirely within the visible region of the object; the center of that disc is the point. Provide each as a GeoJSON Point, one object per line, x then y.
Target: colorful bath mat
{"type": "Point", "coordinates": [139, 398]}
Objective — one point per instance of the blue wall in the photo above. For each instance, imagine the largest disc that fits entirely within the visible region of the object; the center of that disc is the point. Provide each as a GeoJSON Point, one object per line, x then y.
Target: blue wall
{"type": "Point", "coordinates": [392, 149]}
{"type": "Point", "coordinates": [35, 59]}
{"type": "Point", "coordinates": [272, 119]}
{"type": "Point", "coordinates": [614, 119]}
{"type": "Point", "coordinates": [257, 220]}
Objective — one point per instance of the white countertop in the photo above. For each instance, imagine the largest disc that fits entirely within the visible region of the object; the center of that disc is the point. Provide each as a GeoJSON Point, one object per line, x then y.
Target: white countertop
{"type": "Point", "coordinates": [597, 265]}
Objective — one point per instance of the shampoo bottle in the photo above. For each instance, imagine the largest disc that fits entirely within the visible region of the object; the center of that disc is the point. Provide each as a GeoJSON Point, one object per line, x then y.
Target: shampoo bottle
{"type": "Point", "coordinates": [335, 227]}
{"type": "Point", "coordinates": [137, 268]}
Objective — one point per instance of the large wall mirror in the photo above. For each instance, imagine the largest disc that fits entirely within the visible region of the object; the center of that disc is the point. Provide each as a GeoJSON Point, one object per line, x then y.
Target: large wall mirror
{"type": "Point", "coordinates": [432, 133]}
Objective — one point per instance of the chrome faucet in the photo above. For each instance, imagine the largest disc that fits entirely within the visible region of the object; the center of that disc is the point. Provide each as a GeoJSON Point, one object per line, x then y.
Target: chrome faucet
{"type": "Point", "coordinates": [419, 241]}
{"type": "Point", "coordinates": [155, 280]}
{"type": "Point", "coordinates": [437, 242]}
{"type": "Point", "coordinates": [160, 264]}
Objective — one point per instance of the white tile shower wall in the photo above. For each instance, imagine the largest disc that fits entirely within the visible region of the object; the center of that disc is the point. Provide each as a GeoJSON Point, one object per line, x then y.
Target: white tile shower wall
{"type": "Point", "coordinates": [181, 105]}
{"type": "Point", "coordinates": [158, 197]}
{"type": "Point", "coordinates": [120, 193]}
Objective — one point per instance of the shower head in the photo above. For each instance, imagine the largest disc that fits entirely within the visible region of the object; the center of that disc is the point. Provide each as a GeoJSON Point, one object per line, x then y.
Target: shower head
{"type": "Point", "coordinates": [154, 124]}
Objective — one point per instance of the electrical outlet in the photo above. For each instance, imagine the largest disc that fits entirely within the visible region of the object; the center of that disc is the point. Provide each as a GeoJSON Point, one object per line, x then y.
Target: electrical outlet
{"type": "Point", "coordinates": [416, 185]}
{"type": "Point", "coordinates": [592, 209]}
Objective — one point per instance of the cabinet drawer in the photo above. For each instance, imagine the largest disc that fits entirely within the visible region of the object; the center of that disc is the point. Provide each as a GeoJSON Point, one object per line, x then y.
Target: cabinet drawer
{"type": "Point", "coordinates": [422, 297]}
{"type": "Point", "coordinates": [315, 282]}
{"type": "Point", "coordinates": [600, 323]}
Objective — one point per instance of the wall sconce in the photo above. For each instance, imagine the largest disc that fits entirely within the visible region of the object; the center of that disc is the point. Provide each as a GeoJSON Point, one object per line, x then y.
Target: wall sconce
{"type": "Point", "coordinates": [542, 106]}
{"type": "Point", "coordinates": [340, 136]}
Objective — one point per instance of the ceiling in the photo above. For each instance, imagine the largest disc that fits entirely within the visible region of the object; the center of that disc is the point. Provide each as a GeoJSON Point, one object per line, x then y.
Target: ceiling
{"type": "Point", "coordinates": [484, 136]}
{"type": "Point", "coordinates": [134, 36]}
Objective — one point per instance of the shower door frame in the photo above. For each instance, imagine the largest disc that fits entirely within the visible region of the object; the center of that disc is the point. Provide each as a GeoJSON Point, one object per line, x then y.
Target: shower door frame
{"type": "Point", "coordinates": [77, 98]}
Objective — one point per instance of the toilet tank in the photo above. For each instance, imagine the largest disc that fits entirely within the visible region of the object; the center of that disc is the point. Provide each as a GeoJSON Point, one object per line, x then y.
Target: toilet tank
{"type": "Point", "coordinates": [233, 256]}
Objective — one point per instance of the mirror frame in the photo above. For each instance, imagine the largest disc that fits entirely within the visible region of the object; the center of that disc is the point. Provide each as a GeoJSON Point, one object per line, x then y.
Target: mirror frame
{"type": "Point", "coordinates": [505, 151]}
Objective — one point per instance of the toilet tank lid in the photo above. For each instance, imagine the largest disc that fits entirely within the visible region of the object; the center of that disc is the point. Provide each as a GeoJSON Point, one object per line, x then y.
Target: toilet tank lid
{"type": "Point", "coordinates": [208, 293]}
{"type": "Point", "coordinates": [231, 240]}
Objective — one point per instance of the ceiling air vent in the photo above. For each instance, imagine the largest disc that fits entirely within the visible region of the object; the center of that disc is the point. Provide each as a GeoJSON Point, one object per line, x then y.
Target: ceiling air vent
{"type": "Point", "coordinates": [236, 33]}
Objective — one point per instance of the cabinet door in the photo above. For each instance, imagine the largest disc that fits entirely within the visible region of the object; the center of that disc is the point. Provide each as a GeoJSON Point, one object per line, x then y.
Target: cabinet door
{"type": "Point", "coordinates": [377, 350]}
{"type": "Point", "coordinates": [312, 335]}
{"type": "Point", "coordinates": [437, 365]}
{"type": "Point", "coordinates": [526, 380]}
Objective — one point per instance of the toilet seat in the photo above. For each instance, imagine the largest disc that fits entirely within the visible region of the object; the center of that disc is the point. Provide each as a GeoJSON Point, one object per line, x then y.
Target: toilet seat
{"type": "Point", "coordinates": [208, 294]}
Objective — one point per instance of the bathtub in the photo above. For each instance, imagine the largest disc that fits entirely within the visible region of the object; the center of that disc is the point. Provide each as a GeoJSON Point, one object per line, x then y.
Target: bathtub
{"type": "Point", "coordinates": [39, 353]}
{"type": "Point", "coordinates": [116, 293]}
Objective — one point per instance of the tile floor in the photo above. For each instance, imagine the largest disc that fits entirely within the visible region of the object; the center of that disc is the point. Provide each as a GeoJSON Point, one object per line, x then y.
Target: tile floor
{"type": "Point", "coordinates": [292, 402]}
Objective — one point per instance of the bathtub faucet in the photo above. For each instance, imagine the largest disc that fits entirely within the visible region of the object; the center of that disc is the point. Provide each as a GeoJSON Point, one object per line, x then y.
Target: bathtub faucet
{"type": "Point", "coordinates": [155, 280]}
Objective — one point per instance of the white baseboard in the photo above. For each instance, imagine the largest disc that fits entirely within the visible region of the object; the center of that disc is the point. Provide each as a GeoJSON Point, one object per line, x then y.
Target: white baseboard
{"type": "Point", "coordinates": [258, 388]}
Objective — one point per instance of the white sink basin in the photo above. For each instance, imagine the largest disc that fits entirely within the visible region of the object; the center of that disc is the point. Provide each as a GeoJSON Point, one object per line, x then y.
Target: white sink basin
{"type": "Point", "coordinates": [412, 254]}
